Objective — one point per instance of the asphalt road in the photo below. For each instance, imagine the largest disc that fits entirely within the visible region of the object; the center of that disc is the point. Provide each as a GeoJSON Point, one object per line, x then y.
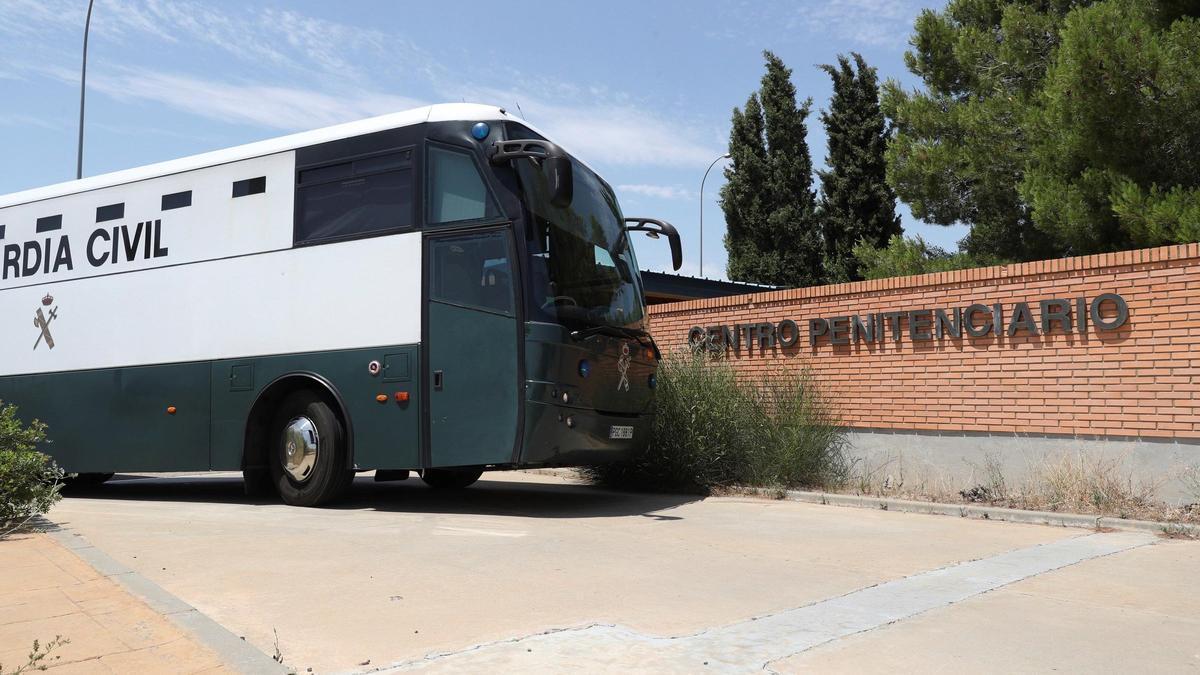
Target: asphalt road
{"type": "Point", "coordinates": [532, 573]}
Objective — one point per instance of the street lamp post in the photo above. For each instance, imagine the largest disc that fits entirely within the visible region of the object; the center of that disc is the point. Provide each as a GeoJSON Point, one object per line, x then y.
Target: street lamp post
{"type": "Point", "coordinates": [710, 166]}
{"type": "Point", "coordinates": [82, 91]}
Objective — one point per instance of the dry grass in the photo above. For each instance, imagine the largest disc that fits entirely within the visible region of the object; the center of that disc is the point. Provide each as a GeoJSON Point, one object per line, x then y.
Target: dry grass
{"type": "Point", "coordinates": [1071, 483]}
{"type": "Point", "coordinates": [1180, 531]}
{"type": "Point", "coordinates": [1082, 484]}
{"type": "Point", "coordinates": [1190, 477]}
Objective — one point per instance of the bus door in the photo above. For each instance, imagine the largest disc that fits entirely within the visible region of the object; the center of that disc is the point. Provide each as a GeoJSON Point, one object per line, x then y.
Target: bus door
{"type": "Point", "coordinates": [471, 345]}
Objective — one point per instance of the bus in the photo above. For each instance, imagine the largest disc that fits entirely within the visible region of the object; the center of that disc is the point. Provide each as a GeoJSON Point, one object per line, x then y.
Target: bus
{"type": "Point", "coordinates": [443, 290]}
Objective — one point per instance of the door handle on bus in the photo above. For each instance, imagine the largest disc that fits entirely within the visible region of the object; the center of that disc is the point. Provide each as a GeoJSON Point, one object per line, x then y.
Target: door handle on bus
{"type": "Point", "coordinates": [437, 379]}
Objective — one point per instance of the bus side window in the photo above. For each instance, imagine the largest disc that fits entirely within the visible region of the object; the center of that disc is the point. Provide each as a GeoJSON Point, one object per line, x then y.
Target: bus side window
{"type": "Point", "coordinates": [457, 192]}
{"type": "Point", "coordinates": [359, 198]}
{"type": "Point", "coordinates": [472, 271]}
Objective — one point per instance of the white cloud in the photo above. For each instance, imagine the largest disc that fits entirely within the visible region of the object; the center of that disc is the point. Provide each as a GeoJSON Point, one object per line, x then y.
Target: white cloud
{"type": "Point", "coordinates": [871, 22]}
{"type": "Point", "coordinates": [309, 72]}
{"type": "Point", "coordinates": [35, 18]}
{"type": "Point", "coordinates": [21, 120]}
{"type": "Point", "coordinates": [265, 37]}
{"type": "Point", "coordinates": [886, 23]}
{"type": "Point", "coordinates": [657, 191]}
{"type": "Point", "coordinates": [286, 108]}
{"type": "Point", "coordinates": [623, 134]}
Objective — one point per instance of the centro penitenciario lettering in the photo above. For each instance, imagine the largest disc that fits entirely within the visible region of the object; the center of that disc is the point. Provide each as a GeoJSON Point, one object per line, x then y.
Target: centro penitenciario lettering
{"type": "Point", "coordinates": [1105, 312]}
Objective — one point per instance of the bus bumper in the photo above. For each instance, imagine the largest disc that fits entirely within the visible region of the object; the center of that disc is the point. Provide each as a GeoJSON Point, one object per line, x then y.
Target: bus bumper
{"type": "Point", "coordinates": [564, 436]}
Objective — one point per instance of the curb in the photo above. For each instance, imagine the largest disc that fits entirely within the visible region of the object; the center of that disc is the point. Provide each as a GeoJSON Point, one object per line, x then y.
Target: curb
{"type": "Point", "coordinates": [236, 652]}
{"type": "Point", "coordinates": [985, 512]}
{"type": "Point", "coordinates": [570, 474]}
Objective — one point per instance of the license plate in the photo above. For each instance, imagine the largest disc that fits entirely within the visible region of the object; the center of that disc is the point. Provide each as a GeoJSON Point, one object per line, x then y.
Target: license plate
{"type": "Point", "coordinates": [619, 432]}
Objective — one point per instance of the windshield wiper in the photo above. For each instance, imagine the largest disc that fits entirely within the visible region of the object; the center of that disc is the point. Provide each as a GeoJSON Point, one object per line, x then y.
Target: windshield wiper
{"type": "Point", "coordinates": [643, 338]}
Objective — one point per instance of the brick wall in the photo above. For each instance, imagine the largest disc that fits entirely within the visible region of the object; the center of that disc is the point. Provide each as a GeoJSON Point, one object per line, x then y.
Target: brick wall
{"type": "Point", "coordinates": [1142, 379]}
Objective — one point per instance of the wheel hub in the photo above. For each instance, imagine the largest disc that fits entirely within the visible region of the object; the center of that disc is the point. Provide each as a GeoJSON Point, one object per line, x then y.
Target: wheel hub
{"type": "Point", "coordinates": [301, 444]}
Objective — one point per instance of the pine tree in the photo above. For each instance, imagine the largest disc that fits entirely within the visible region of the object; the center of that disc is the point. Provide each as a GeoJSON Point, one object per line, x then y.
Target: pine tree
{"type": "Point", "coordinates": [961, 145]}
{"type": "Point", "coordinates": [857, 205]}
{"type": "Point", "coordinates": [770, 207]}
{"type": "Point", "coordinates": [1052, 128]}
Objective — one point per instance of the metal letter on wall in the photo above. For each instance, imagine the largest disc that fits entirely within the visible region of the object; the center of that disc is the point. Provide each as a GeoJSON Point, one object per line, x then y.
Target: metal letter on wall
{"type": "Point", "coordinates": [789, 337]}
{"type": "Point", "coordinates": [922, 324]}
{"type": "Point", "coordinates": [1115, 322]}
{"type": "Point", "coordinates": [968, 320]}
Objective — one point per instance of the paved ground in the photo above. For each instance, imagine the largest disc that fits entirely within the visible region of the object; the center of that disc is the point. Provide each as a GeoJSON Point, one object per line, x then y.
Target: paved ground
{"type": "Point", "coordinates": [534, 574]}
{"type": "Point", "coordinates": [47, 591]}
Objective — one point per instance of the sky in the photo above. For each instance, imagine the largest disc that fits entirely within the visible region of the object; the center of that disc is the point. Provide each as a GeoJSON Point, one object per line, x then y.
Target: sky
{"type": "Point", "coordinates": [642, 91]}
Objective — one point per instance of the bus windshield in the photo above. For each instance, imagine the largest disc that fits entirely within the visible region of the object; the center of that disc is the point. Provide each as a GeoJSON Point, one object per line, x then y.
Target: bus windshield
{"type": "Point", "coordinates": [582, 266]}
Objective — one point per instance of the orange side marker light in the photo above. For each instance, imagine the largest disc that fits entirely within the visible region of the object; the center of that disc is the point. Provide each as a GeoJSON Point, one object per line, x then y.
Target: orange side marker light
{"type": "Point", "coordinates": [382, 398]}
{"type": "Point", "coordinates": [171, 410]}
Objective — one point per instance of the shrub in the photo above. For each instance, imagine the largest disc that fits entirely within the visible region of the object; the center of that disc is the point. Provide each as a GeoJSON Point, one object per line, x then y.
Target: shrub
{"type": "Point", "coordinates": [712, 430]}
{"type": "Point", "coordinates": [29, 480]}
{"type": "Point", "coordinates": [805, 444]}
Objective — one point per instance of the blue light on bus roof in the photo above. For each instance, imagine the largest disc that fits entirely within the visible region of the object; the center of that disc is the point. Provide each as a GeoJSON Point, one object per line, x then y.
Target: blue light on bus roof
{"type": "Point", "coordinates": [481, 130]}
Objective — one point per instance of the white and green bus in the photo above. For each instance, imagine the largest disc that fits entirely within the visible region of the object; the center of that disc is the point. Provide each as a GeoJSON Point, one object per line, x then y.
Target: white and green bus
{"type": "Point", "coordinates": [442, 290]}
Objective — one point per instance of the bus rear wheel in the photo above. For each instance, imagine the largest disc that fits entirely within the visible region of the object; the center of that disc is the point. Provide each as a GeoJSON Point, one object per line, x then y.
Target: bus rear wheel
{"type": "Point", "coordinates": [309, 451]}
{"type": "Point", "coordinates": [450, 479]}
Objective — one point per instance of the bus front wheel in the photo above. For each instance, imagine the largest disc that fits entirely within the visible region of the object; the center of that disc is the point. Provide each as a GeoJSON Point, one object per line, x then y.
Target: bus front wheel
{"type": "Point", "coordinates": [309, 451]}
{"type": "Point", "coordinates": [450, 479]}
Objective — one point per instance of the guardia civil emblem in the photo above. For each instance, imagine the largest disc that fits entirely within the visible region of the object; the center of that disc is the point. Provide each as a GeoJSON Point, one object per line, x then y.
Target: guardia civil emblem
{"type": "Point", "coordinates": [41, 320]}
{"type": "Point", "coordinates": [623, 368]}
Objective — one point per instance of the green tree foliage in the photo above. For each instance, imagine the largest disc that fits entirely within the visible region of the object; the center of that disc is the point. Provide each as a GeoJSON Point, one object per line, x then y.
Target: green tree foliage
{"type": "Point", "coordinates": [904, 256]}
{"type": "Point", "coordinates": [772, 232]}
{"type": "Point", "coordinates": [1115, 161]}
{"type": "Point", "coordinates": [960, 146]}
{"type": "Point", "coordinates": [29, 480]}
{"type": "Point", "coordinates": [857, 204]}
{"type": "Point", "coordinates": [1052, 127]}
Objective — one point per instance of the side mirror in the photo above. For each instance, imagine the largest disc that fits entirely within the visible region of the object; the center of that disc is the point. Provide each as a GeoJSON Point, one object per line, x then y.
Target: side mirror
{"type": "Point", "coordinates": [653, 229]}
{"type": "Point", "coordinates": [555, 165]}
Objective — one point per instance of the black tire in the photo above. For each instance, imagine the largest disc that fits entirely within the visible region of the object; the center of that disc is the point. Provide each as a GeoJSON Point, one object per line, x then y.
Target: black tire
{"type": "Point", "coordinates": [327, 478]}
{"type": "Point", "coordinates": [257, 482]}
{"type": "Point", "coordinates": [450, 479]}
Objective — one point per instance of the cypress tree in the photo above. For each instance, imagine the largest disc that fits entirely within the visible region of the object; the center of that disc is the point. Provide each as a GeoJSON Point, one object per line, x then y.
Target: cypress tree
{"type": "Point", "coordinates": [769, 204]}
{"type": "Point", "coordinates": [743, 197]}
{"type": "Point", "coordinates": [857, 204]}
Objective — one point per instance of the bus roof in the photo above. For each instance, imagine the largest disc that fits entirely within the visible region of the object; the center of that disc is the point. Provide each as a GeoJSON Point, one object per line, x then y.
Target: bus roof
{"type": "Point", "coordinates": [442, 112]}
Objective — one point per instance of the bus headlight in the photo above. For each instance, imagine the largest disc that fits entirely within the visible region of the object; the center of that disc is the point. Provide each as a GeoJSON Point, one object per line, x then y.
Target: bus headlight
{"type": "Point", "coordinates": [585, 368]}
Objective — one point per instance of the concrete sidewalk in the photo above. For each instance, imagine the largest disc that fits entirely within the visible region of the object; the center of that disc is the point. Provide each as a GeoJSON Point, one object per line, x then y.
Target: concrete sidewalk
{"type": "Point", "coordinates": [534, 573]}
{"type": "Point", "coordinates": [46, 591]}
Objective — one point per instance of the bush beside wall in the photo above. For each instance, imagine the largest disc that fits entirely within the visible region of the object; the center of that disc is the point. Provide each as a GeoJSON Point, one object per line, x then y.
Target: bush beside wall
{"type": "Point", "coordinates": [29, 480]}
{"type": "Point", "coordinates": [711, 430]}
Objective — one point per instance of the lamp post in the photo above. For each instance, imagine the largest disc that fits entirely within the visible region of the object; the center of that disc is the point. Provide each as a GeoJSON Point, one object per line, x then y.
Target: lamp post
{"type": "Point", "coordinates": [82, 91]}
{"type": "Point", "coordinates": [710, 166]}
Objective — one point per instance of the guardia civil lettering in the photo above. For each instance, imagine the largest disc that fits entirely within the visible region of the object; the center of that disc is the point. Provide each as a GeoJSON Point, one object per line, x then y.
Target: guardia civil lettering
{"type": "Point", "coordinates": [120, 244]}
